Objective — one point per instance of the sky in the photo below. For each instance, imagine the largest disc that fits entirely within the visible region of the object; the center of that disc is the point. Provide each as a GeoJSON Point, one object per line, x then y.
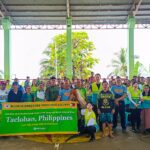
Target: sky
{"type": "Point", "coordinates": [27, 47]}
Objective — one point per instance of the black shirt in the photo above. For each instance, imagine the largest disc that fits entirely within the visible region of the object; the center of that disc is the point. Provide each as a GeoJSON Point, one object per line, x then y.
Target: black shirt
{"type": "Point", "coordinates": [106, 102]}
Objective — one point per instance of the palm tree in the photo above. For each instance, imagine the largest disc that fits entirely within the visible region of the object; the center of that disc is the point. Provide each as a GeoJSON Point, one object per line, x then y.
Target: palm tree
{"type": "Point", "coordinates": [139, 69]}
{"type": "Point", "coordinates": [119, 64]}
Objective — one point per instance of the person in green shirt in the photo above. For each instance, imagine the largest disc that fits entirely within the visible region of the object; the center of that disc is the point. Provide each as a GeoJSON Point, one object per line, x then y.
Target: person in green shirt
{"type": "Point", "coordinates": [28, 96]}
{"type": "Point", "coordinates": [95, 88]}
{"type": "Point", "coordinates": [81, 94]}
{"type": "Point", "coordinates": [52, 92]}
{"type": "Point", "coordinates": [40, 94]}
{"type": "Point", "coordinates": [34, 87]}
{"type": "Point", "coordinates": [135, 97]}
{"type": "Point", "coordinates": [8, 85]}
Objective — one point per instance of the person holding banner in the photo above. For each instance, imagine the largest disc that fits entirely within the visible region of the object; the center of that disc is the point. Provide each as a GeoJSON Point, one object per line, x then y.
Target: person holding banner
{"type": "Point", "coordinates": [135, 97]}
{"type": "Point", "coordinates": [146, 111]}
{"type": "Point", "coordinates": [79, 93]}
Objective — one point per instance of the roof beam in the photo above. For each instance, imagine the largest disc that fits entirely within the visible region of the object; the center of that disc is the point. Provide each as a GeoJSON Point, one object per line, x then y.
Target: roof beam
{"type": "Point", "coordinates": [135, 7]}
{"type": "Point", "coordinates": [68, 8]}
{"type": "Point", "coordinates": [1, 13]}
{"type": "Point", "coordinates": [3, 6]}
{"type": "Point", "coordinates": [6, 14]}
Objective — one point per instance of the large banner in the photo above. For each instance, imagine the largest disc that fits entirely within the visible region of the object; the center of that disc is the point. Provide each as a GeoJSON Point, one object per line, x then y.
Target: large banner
{"type": "Point", "coordinates": [38, 118]}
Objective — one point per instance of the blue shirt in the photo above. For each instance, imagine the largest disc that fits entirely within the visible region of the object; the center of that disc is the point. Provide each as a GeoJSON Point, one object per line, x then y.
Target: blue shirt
{"type": "Point", "coordinates": [118, 91]}
{"type": "Point", "coordinates": [14, 97]}
{"type": "Point", "coordinates": [65, 94]}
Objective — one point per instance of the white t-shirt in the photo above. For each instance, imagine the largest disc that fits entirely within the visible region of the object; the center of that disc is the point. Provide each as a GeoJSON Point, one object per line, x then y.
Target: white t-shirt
{"type": "Point", "coordinates": [3, 95]}
{"type": "Point", "coordinates": [40, 94]}
{"type": "Point", "coordinates": [91, 121]}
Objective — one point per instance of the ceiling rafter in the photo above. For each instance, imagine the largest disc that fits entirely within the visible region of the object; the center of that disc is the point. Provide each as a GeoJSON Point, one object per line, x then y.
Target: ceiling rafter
{"type": "Point", "coordinates": [135, 7]}
{"type": "Point", "coordinates": [4, 8]}
{"type": "Point", "coordinates": [54, 12]}
{"type": "Point", "coordinates": [68, 8]}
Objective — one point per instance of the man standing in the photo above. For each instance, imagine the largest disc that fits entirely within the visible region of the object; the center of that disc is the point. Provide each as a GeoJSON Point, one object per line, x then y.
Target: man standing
{"type": "Point", "coordinates": [65, 92]}
{"type": "Point", "coordinates": [52, 91]}
{"type": "Point", "coordinates": [95, 88]}
{"type": "Point", "coordinates": [106, 108]}
{"type": "Point", "coordinates": [120, 92]}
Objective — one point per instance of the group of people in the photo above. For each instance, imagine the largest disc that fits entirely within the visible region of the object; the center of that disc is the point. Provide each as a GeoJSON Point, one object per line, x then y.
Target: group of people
{"type": "Point", "coordinates": [99, 100]}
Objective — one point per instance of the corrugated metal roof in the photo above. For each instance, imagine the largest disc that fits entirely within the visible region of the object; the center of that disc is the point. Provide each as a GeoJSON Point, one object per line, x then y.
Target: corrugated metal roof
{"type": "Point", "coordinates": [54, 12]}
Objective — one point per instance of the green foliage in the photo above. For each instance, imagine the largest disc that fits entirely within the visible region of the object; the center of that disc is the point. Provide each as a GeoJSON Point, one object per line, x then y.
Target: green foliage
{"type": "Point", "coordinates": [82, 59]}
{"type": "Point", "coordinates": [1, 74]}
{"type": "Point", "coordinates": [119, 63]}
{"type": "Point", "coordinates": [139, 69]}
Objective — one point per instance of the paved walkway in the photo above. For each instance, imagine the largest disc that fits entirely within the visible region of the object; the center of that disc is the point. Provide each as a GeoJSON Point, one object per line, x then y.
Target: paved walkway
{"type": "Point", "coordinates": [129, 141]}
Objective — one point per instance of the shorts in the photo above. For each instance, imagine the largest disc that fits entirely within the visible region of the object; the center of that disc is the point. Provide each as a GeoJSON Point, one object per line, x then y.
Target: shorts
{"type": "Point", "coordinates": [106, 117]}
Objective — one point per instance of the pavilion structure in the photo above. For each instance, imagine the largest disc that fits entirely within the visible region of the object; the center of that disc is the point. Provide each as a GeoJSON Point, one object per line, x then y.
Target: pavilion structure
{"type": "Point", "coordinates": [72, 14]}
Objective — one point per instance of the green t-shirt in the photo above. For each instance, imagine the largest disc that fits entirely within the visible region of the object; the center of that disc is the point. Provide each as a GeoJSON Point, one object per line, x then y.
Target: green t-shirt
{"type": "Point", "coordinates": [33, 89]}
{"type": "Point", "coordinates": [52, 93]}
{"type": "Point", "coordinates": [27, 97]}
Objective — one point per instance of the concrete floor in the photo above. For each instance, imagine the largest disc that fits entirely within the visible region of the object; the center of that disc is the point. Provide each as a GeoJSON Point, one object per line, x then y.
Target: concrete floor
{"type": "Point", "coordinates": [128, 141]}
